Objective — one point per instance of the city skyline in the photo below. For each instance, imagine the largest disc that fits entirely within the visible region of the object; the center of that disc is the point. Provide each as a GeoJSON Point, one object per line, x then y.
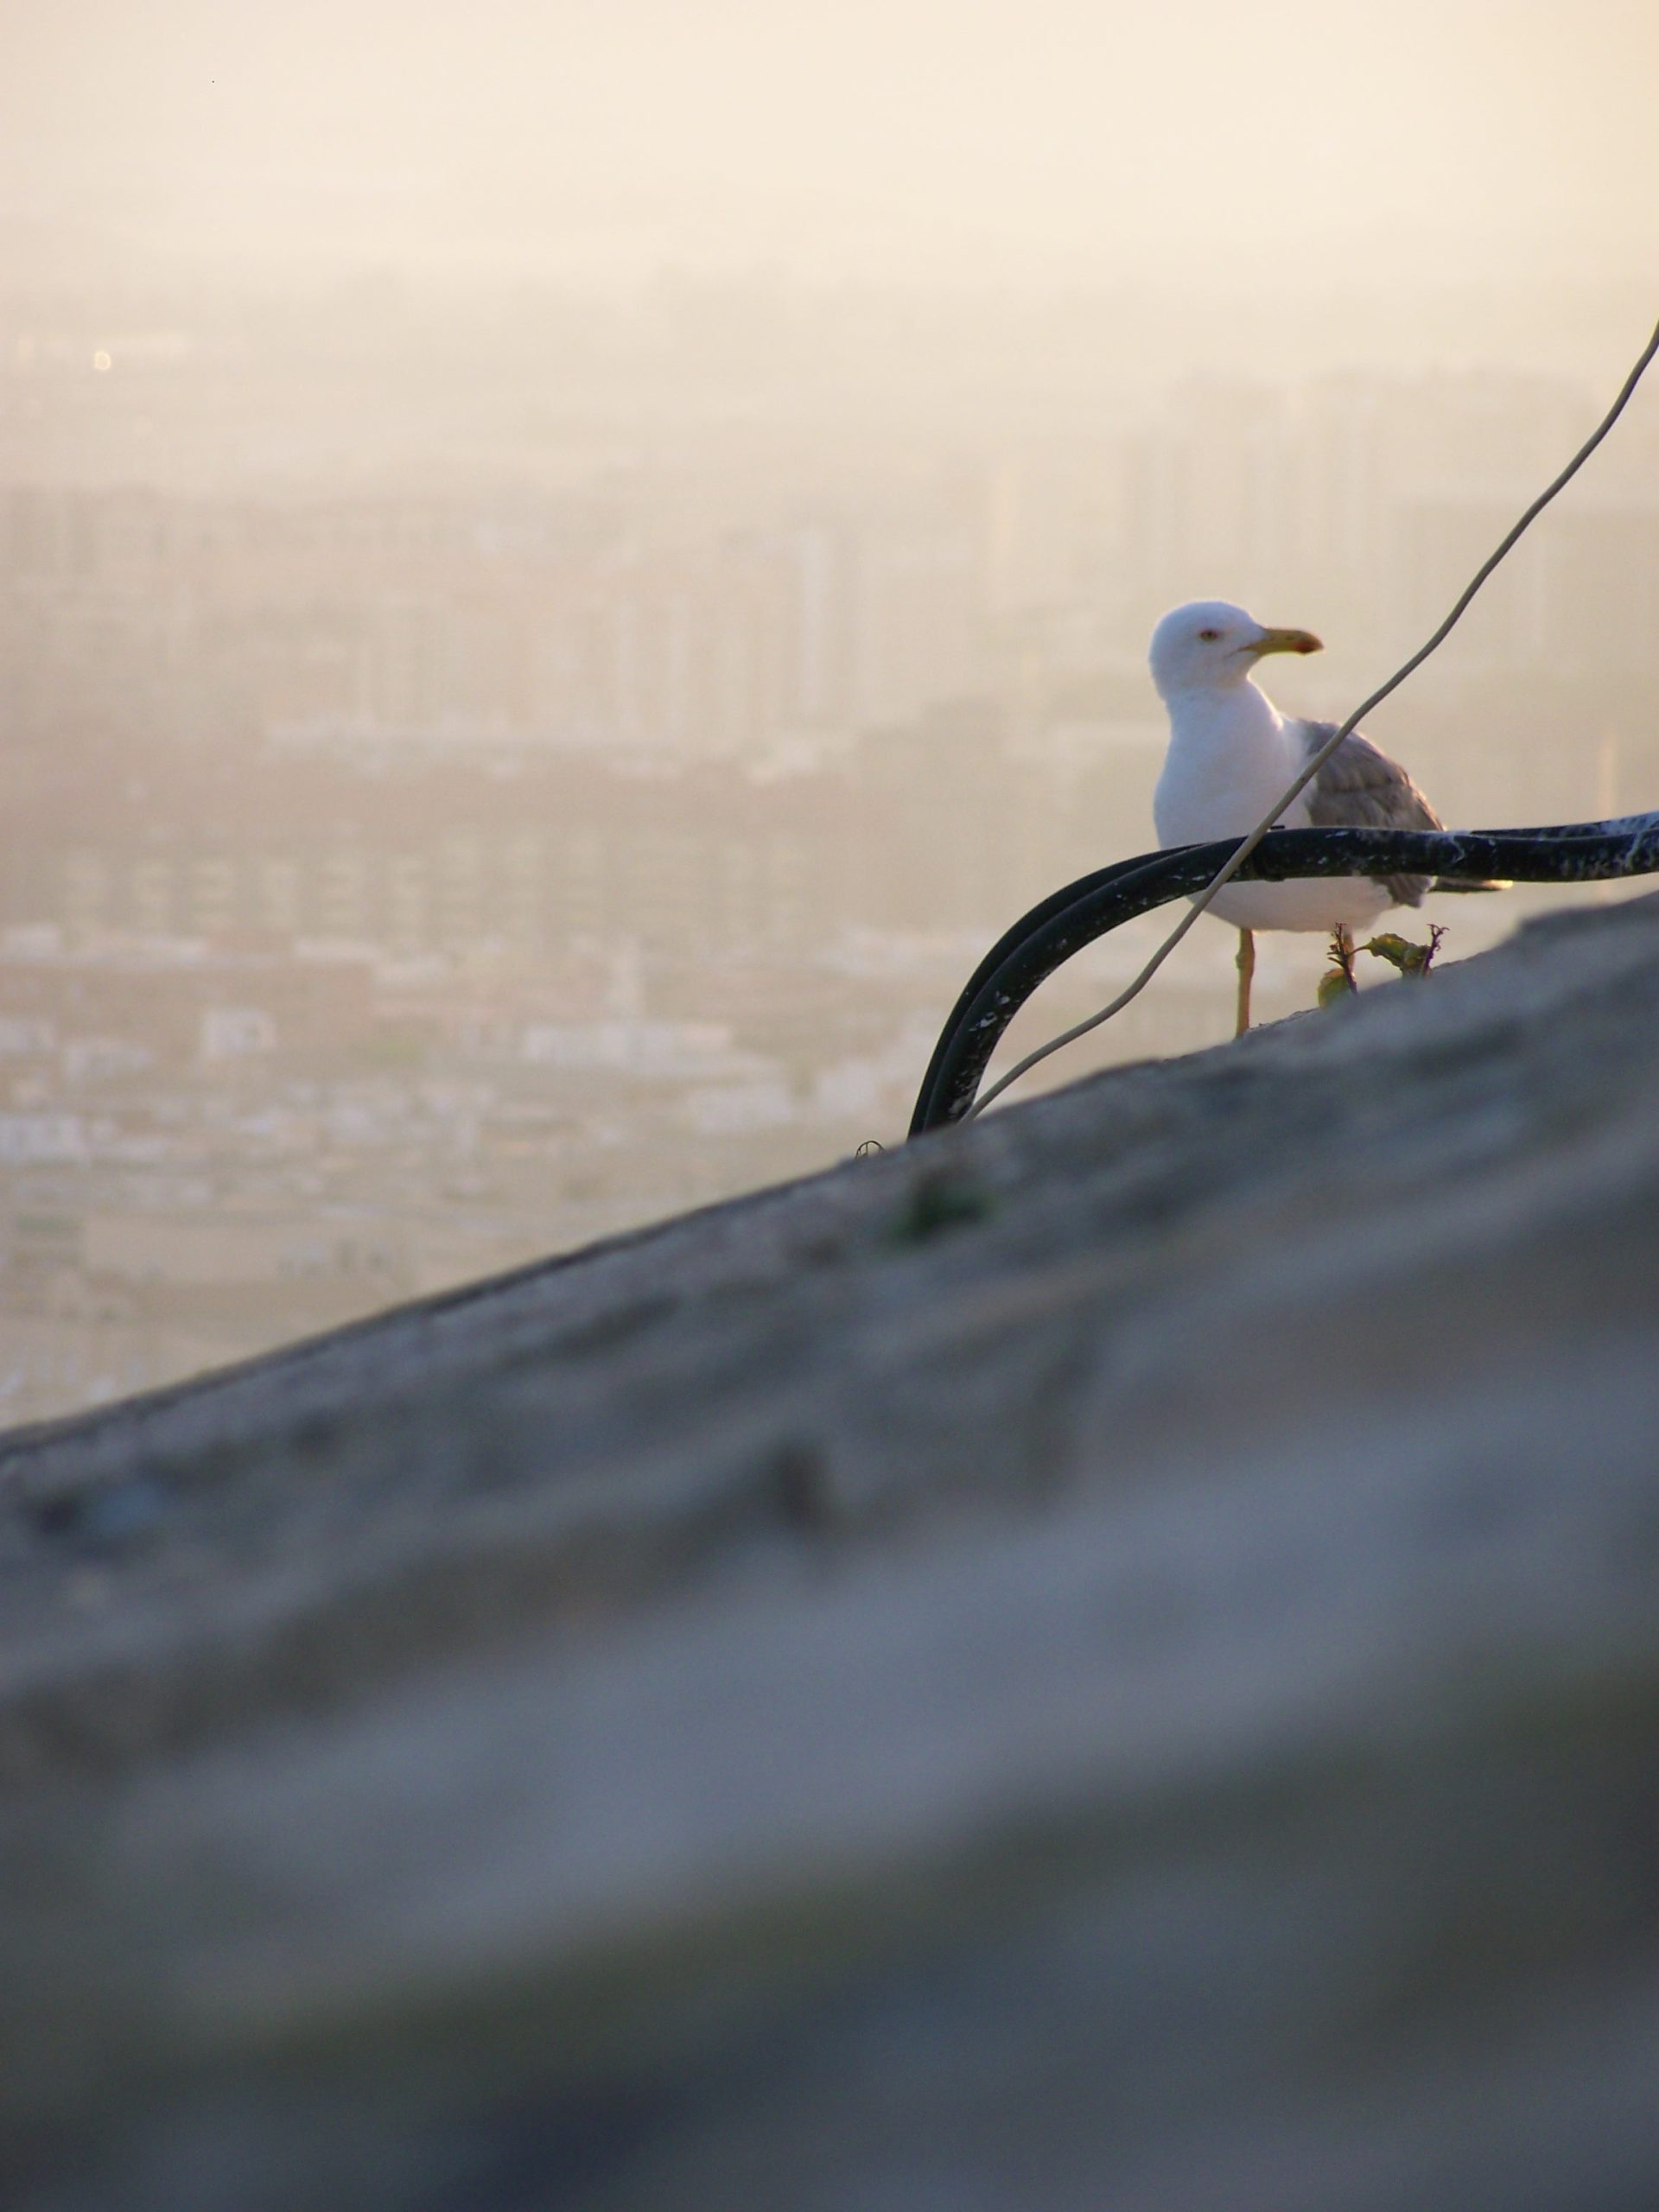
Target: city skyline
{"type": "Point", "coordinates": [564, 571]}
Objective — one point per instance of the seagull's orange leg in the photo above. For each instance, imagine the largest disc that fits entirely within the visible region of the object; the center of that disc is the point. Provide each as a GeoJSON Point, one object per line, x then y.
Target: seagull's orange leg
{"type": "Point", "coordinates": [1246, 973]}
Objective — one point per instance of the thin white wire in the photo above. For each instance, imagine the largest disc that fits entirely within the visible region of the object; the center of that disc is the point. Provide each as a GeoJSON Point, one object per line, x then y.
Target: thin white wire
{"type": "Point", "coordinates": [1318, 759]}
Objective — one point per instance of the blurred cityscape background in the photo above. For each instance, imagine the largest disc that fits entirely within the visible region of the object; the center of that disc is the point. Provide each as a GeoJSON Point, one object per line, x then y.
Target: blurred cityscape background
{"type": "Point", "coordinates": [491, 755]}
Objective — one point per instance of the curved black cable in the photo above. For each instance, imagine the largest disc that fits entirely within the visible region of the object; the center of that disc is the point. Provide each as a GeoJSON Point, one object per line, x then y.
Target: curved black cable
{"type": "Point", "coordinates": [1078, 913]}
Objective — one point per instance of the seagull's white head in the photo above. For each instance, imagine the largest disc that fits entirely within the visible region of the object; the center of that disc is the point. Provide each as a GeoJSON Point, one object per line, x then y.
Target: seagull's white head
{"type": "Point", "coordinates": [1209, 645]}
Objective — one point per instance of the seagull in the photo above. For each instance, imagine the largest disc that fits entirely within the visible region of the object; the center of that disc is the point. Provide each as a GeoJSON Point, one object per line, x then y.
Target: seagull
{"type": "Point", "coordinates": [1232, 755]}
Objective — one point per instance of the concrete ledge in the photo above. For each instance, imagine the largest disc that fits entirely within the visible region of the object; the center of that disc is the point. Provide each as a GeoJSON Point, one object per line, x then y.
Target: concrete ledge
{"type": "Point", "coordinates": [1110, 1657]}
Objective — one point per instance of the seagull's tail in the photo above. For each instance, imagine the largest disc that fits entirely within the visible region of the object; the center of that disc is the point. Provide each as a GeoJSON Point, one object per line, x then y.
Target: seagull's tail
{"type": "Point", "coordinates": [1497, 884]}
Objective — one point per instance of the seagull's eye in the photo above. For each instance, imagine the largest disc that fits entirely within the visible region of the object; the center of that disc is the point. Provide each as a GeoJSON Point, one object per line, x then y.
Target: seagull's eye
{"type": "Point", "coordinates": [1208, 637]}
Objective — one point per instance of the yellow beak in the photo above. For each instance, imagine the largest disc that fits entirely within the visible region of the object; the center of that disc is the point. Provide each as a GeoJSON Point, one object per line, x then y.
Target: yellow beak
{"type": "Point", "coordinates": [1287, 641]}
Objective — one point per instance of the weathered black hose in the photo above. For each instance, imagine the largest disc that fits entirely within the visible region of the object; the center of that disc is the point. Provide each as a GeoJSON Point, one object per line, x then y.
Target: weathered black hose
{"type": "Point", "coordinates": [1041, 941]}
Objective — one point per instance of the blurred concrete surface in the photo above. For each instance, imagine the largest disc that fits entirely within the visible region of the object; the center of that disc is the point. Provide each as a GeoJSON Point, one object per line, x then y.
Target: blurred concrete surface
{"type": "Point", "coordinates": [1111, 1658]}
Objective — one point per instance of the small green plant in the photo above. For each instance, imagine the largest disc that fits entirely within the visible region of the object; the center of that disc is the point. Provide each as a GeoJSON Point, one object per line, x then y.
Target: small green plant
{"type": "Point", "coordinates": [1400, 952]}
{"type": "Point", "coordinates": [1339, 980]}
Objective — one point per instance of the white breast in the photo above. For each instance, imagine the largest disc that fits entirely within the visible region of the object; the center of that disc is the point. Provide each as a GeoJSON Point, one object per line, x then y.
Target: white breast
{"type": "Point", "coordinates": [1232, 754]}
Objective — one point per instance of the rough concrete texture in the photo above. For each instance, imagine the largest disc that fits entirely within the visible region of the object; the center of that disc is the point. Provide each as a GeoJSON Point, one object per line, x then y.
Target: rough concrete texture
{"type": "Point", "coordinates": [1111, 1658]}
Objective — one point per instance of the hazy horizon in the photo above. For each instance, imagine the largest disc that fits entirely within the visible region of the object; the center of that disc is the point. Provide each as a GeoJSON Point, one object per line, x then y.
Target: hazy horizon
{"type": "Point", "coordinates": [907, 140]}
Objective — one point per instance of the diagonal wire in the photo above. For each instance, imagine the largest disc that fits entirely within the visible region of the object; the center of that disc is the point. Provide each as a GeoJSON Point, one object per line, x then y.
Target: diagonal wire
{"type": "Point", "coordinates": [1223, 876]}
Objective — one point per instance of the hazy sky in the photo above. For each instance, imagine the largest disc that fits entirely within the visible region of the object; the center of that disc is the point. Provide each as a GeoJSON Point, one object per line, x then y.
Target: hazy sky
{"type": "Point", "coordinates": [891, 137]}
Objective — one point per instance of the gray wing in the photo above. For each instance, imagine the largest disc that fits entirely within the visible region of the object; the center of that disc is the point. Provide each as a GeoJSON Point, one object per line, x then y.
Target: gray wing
{"type": "Point", "coordinates": [1360, 788]}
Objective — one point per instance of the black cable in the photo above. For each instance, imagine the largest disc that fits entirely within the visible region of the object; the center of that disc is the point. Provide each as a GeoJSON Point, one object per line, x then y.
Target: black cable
{"type": "Point", "coordinates": [1079, 913]}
